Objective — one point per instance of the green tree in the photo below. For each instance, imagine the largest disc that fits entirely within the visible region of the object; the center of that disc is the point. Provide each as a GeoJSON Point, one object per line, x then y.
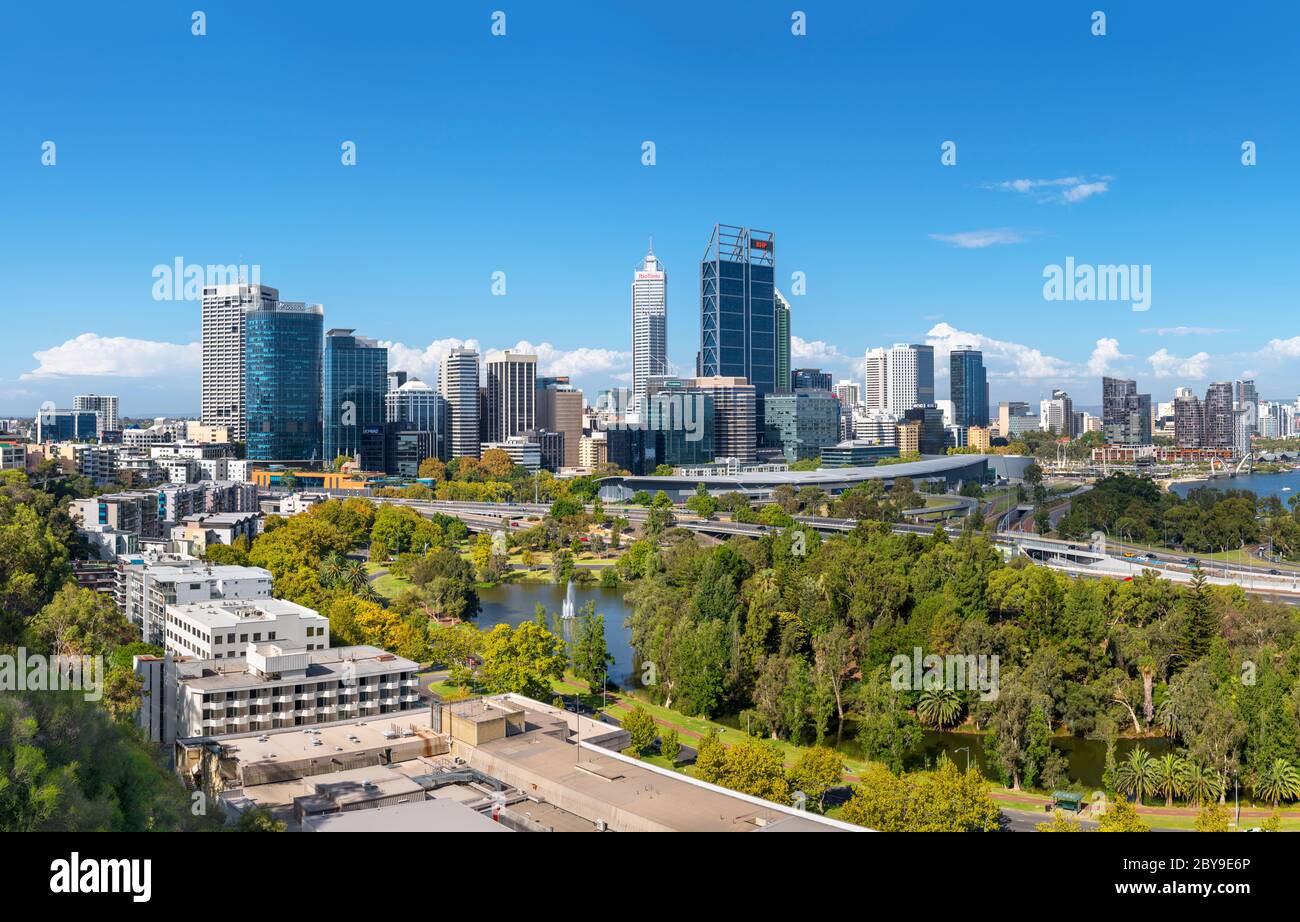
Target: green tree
{"type": "Point", "coordinates": [526, 660]}
{"type": "Point", "coordinates": [1120, 816]}
{"type": "Point", "coordinates": [817, 770]}
{"type": "Point", "coordinates": [641, 729]}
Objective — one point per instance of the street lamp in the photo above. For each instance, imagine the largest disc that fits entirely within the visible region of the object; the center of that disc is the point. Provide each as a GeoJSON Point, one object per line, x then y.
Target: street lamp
{"type": "Point", "coordinates": [966, 749]}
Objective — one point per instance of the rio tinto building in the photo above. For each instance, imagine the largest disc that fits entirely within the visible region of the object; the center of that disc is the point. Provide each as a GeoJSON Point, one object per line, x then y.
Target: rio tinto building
{"type": "Point", "coordinates": [649, 324]}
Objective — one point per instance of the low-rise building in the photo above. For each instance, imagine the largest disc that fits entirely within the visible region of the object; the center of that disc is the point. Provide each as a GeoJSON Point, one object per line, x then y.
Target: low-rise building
{"type": "Point", "coordinates": [148, 583]}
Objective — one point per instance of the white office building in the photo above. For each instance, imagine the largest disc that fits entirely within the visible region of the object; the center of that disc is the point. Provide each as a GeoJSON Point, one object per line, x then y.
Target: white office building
{"type": "Point", "coordinates": [649, 324]}
{"type": "Point", "coordinates": [459, 385]}
{"type": "Point", "coordinates": [909, 377]}
{"type": "Point", "coordinates": [877, 379]}
{"type": "Point", "coordinates": [511, 395]}
{"type": "Point", "coordinates": [221, 386]}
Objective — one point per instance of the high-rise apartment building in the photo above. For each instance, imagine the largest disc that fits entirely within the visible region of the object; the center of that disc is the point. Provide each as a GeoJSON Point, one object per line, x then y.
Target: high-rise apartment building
{"type": "Point", "coordinates": [782, 325]}
{"type": "Point", "coordinates": [221, 386]}
{"type": "Point", "coordinates": [737, 308]}
{"type": "Point", "coordinates": [104, 405]}
{"type": "Point", "coordinates": [356, 380]}
{"type": "Point", "coordinates": [283, 380]}
{"type": "Point", "coordinates": [459, 383]}
{"type": "Point", "coordinates": [511, 395]}
{"type": "Point", "coordinates": [1189, 419]}
{"type": "Point", "coordinates": [969, 387]}
{"type": "Point", "coordinates": [1125, 414]}
{"type": "Point", "coordinates": [649, 326]}
{"type": "Point", "coordinates": [1220, 423]}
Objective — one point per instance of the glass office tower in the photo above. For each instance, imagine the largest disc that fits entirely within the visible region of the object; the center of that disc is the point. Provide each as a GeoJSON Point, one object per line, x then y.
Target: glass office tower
{"type": "Point", "coordinates": [283, 379]}
{"type": "Point", "coordinates": [356, 380]}
{"type": "Point", "coordinates": [970, 389]}
{"type": "Point", "coordinates": [737, 314]}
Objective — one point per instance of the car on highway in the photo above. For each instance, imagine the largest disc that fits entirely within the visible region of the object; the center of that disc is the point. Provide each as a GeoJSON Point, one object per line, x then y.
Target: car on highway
{"type": "Point", "coordinates": [1152, 556]}
{"type": "Point", "coordinates": [1274, 572]}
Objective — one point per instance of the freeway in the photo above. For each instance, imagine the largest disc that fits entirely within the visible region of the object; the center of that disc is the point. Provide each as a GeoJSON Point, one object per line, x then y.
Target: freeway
{"type": "Point", "coordinates": [1081, 560]}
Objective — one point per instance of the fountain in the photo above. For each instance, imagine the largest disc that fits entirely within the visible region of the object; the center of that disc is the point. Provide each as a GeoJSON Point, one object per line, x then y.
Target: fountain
{"type": "Point", "coordinates": [567, 611]}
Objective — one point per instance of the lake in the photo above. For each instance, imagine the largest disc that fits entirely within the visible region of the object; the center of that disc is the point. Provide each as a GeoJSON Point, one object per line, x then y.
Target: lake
{"type": "Point", "coordinates": [1260, 484]}
{"type": "Point", "coordinates": [515, 603]}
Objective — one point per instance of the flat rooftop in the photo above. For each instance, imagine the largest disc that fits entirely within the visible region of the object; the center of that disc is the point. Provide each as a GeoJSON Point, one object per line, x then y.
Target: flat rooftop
{"type": "Point", "coordinates": [333, 662]}
{"type": "Point", "coordinates": [221, 613]}
{"type": "Point", "coordinates": [336, 740]}
{"type": "Point", "coordinates": [438, 815]}
{"type": "Point", "coordinates": [592, 783]}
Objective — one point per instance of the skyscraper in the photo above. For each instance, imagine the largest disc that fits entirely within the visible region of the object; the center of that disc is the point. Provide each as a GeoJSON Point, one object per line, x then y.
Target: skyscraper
{"type": "Point", "coordinates": [221, 387]}
{"type": "Point", "coordinates": [737, 307]}
{"type": "Point", "coordinates": [909, 377]}
{"type": "Point", "coordinates": [876, 388]}
{"type": "Point", "coordinates": [559, 409]}
{"type": "Point", "coordinates": [783, 370]}
{"type": "Point", "coordinates": [459, 384]}
{"type": "Point", "coordinates": [356, 379]}
{"type": "Point", "coordinates": [1189, 419]}
{"type": "Point", "coordinates": [511, 395]}
{"type": "Point", "coordinates": [969, 387]}
{"type": "Point", "coordinates": [282, 381]}
{"type": "Point", "coordinates": [649, 324]}
{"type": "Point", "coordinates": [415, 417]}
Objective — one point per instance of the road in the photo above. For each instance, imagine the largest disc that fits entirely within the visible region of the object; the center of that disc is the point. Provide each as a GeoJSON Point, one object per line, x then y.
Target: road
{"type": "Point", "coordinates": [1076, 559]}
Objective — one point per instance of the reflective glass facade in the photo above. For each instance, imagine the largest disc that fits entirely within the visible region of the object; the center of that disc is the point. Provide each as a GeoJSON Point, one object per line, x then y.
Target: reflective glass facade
{"type": "Point", "coordinates": [355, 382]}
{"type": "Point", "coordinates": [737, 307]}
{"type": "Point", "coordinates": [283, 378]}
{"type": "Point", "coordinates": [969, 388]}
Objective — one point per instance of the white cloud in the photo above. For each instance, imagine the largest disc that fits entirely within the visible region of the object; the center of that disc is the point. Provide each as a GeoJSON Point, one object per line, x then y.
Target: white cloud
{"type": "Point", "coordinates": [816, 353]}
{"type": "Point", "coordinates": [1004, 359]}
{"type": "Point", "coordinates": [578, 363]}
{"type": "Point", "coordinates": [1186, 331]}
{"type": "Point", "coordinates": [1064, 190]}
{"type": "Point", "coordinates": [1104, 356]}
{"type": "Point", "coordinates": [979, 239]}
{"type": "Point", "coordinates": [92, 355]}
{"type": "Point", "coordinates": [423, 363]}
{"type": "Point", "coordinates": [1164, 364]}
{"type": "Point", "coordinates": [1283, 348]}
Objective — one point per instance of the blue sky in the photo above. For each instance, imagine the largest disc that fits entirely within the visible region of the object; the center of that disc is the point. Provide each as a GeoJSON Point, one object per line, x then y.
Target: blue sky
{"type": "Point", "coordinates": [522, 154]}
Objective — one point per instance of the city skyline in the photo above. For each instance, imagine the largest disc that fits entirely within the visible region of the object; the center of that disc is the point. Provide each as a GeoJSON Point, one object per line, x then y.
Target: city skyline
{"type": "Point", "coordinates": [405, 244]}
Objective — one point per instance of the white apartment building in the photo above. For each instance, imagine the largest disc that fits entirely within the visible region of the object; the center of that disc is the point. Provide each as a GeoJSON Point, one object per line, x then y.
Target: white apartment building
{"type": "Point", "coordinates": [148, 583]}
{"type": "Point", "coordinates": [459, 385]}
{"type": "Point", "coordinates": [13, 456]}
{"type": "Point", "coordinates": [272, 686]}
{"type": "Point", "coordinates": [221, 395]}
{"type": "Point", "coordinates": [224, 628]}
{"type": "Point", "coordinates": [104, 405]}
{"type": "Point", "coordinates": [649, 324]}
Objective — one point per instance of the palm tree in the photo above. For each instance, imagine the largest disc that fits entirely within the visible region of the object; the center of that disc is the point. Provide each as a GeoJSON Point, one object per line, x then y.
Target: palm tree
{"type": "Point", "coordinates": [1169, 771]}
{"type": "Point", "coordinates": [1279, 781]}
{"type": "Point", "coordinates": [939, 708]}
{"type": "Point", "coordinates": [331, 569]}
{"type": "Point", "coordinates": [1201, 783]}
{"type": "Point", "coordinates": [1136, 775]}
{"type": "Point", "coordinates": [353, 575]}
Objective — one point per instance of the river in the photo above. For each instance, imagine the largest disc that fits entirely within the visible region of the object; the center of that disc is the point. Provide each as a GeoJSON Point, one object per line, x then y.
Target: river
{"type": "Point", "coordinates": [1283, 486]}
